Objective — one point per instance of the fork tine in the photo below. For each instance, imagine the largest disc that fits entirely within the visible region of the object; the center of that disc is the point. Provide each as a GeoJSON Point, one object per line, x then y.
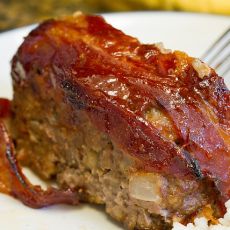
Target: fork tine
{"type": "Point", "coordinates": [226, 77]}
{"type": "Point", "coordinates": [224, 67]}
{"type": "Point", "coordinates": [221, 56]}
{"type": "Point", "coordinates": [216, 48]}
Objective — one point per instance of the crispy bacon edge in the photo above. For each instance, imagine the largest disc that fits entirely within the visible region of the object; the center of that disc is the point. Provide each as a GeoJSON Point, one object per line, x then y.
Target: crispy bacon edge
{"type": "Point", "coordinates": [15, 183]}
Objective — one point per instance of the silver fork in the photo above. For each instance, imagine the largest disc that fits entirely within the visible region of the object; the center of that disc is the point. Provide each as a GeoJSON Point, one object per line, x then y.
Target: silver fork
{"type": "Point", "coordinates": [218, 55]}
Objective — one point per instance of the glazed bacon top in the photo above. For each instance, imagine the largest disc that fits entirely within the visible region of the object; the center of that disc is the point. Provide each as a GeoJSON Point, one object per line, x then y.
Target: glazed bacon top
{"type": "Point", "coordinates": [169, 111]}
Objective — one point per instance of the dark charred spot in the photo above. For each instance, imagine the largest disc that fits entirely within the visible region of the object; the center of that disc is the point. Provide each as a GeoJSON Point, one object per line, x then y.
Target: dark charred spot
{"type": "Point", "coordinates": [39, 71]}
{"type": "Point", "coordinates": [67, 86]}
{"type": "Point", "coordinates": [193, 164]}
{"type": "Point", "coordinates": [76, 102]}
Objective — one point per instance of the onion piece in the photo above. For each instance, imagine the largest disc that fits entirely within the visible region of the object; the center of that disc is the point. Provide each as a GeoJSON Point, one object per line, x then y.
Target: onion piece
{"type": "Point", "coordinates": [145, 186]}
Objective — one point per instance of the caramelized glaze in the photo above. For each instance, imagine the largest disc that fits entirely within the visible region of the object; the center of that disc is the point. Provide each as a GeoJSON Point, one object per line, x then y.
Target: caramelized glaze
{"type": "Point", "coordinates": [117, 81]}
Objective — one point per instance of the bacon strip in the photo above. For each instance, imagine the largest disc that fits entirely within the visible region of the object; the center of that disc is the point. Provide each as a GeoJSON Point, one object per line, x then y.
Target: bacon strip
{"type": "Point", "coordinates": [14, 182]}
{"type": "Point", "coordinates": [4, 108]}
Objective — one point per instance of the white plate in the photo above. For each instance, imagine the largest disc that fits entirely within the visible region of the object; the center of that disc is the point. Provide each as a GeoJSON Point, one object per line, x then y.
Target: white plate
{"type": "Point", "coordinates": [193, 33]}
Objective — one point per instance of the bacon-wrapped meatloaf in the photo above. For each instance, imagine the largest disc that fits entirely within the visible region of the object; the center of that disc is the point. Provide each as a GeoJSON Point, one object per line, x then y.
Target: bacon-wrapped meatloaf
{"type": "Point", "coordinates": [138, 128]}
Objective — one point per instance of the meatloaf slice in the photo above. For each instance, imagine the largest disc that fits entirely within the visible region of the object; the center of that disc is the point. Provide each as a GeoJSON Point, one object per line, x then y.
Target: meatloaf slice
{"type": "Point", "coordinates": [140, 129]}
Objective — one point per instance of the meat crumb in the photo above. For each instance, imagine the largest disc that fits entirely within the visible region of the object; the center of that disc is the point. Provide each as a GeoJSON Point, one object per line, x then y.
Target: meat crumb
{"type": "Point", "coordinates": [162, 49]}
{"type": "Point", "coordinates": [201, 68]}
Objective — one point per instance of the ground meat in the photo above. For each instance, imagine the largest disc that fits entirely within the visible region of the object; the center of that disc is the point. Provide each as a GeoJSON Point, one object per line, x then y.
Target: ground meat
{"type": "Point", "coordinates": [80, 156]}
